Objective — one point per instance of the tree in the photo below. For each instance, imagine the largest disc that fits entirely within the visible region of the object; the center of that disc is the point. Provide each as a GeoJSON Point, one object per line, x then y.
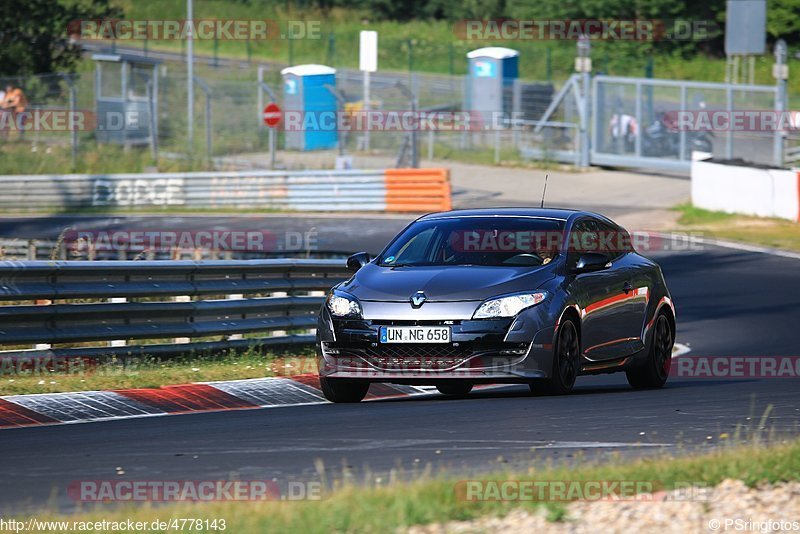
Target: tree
{"type": "Point", "coordinates": [33, 33]}
{"type": "Point", "coordinates": [783, 20]}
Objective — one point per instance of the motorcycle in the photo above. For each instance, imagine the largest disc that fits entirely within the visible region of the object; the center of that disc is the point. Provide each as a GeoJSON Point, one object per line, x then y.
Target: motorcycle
{"type": "Point", "coordinates": [662, 138]}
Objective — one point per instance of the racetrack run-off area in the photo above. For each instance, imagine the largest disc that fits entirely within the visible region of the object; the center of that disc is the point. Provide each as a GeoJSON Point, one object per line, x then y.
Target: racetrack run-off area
{"type": "Point", "coordinates": [726, 308]}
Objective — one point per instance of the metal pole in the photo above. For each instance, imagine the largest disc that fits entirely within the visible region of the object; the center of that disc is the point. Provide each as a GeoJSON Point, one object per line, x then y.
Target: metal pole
{"type": "Point", "coordinates": [682, 142]}
{"type": "Point", "coordinates": [216, 51]}
{"type": "Point", "coordinates": [414, 132]}
{"type": "Point", "coordinates": [366, 110]}
{"type": "Point", "coordinates": [260, 99]}
{"type": "Point", "coordinates": [729, 133]}
{"type": "Point", "coordinates": [208, 126]}
{"type": "Point", "coordinates": [586, 77]}
{"type": "Point", "coordinates": [150, 121]}
{"type": "Point", "coordinates": [73, 132]}
{"type": "Point", "coordinates": [272, 148]}
{"type": "Point", "coordinates": [155, 104]}
{"type": "Point", "coordinates": [781, 75]}
{"type": "Point", "coordinates": [272, 137]}
{"type": "Point", "coordinates": [190, 76]}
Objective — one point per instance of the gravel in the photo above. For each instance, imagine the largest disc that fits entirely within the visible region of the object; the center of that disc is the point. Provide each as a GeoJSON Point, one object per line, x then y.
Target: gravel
{"type": "Point", "coordinates": [729, 507]}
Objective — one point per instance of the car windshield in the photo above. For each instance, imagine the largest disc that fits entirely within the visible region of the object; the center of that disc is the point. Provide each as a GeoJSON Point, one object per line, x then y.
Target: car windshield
{"type": "Point", "coordinates": [488, 241]}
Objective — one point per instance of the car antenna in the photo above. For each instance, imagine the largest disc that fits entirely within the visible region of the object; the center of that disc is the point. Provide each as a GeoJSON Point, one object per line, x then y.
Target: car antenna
{"type": "Point", "coordinates": [545, 189]}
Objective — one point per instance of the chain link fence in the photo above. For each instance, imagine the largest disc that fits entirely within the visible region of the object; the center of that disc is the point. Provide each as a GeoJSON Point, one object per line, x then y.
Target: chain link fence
{"type": "Point", "coordinates": [540, 120]}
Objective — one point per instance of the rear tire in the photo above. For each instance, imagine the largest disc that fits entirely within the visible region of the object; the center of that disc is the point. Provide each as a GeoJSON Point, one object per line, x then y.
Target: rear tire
{"type": "Point", "coordinates": [455, 389]}
{"type": "Point", "coordinates": [343, 389]}
{"type": "Point", "coordinates": [566, 363]}
{"type": "Point", "coordinates": [654, 371]}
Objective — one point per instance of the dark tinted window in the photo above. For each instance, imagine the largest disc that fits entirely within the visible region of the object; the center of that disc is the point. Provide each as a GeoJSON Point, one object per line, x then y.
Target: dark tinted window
{"type": "Point", "coordinates": [592, 235]}
{"type": "Point", "coordinates": [511, 241]}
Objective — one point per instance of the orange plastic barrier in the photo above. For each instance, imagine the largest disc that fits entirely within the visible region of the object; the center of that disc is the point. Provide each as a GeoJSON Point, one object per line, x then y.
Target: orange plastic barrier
{"type": "Point", "coordinates": [418, 190]}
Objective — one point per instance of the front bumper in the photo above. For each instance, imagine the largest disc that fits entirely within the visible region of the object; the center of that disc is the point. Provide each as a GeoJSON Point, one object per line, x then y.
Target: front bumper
{"type": "Point", "coordinates": [494, 350]}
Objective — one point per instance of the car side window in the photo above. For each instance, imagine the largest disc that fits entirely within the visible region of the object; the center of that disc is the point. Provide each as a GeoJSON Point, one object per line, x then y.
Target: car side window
{"type": "Point", "coordinates": [582, 238]}
{"type": "Point", "coordinates": [613, 241]}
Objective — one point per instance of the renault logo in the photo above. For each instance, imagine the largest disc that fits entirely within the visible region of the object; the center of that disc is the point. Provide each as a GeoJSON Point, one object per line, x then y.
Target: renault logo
{"type": "Point", "coordinates": [418, 299]}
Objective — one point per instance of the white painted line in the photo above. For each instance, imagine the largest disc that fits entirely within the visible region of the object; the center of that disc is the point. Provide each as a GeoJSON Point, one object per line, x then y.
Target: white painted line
{"type": "Point", "coordinates": [730, 244]}
{"type": "Point", "coordinates": [679, 349]}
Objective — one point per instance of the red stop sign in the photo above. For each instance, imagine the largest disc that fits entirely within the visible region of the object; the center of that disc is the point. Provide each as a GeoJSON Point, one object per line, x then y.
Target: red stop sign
{"type": "Point", "coordinates": [272, 115]}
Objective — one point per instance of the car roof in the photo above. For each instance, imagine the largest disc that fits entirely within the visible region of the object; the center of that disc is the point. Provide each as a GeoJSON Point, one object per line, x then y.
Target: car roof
{"type": "Point", "coordinates": [561, 214]}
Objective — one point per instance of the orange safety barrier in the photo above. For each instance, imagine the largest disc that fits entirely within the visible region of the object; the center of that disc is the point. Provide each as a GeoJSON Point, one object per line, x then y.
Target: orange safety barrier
{"type": "Point", "coordinates": [418, 190]}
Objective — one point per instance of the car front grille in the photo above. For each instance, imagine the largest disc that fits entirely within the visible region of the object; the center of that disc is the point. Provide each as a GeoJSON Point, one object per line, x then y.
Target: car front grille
{"type": "Point", "coordinates": [417, 356]}
{"type": "Point", "coordinates": [431, 357]}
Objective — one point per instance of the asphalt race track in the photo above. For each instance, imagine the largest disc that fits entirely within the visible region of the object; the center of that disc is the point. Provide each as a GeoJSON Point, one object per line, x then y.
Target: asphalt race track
{"type": "Point", "coordinates": [729, 302]}
{"type": "Point", "coordinates": [328, 233]}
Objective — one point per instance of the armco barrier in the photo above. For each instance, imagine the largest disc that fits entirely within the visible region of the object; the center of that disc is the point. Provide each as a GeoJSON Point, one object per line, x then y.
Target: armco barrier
{"type": "Point", "coordinates": [412, 190]}
{"type": "Point", "coordinates": [755, 191]}
{"type": "Point", "coordinates": [418, 190]}
{"type": "Point", "coordinates": [264, 296]}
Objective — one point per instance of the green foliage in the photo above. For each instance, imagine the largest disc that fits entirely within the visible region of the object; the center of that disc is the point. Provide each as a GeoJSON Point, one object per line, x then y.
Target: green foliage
{"type": "Point", "coordinates": [33, 34]}
{"type": "Point", "coordinates": [783, 20]}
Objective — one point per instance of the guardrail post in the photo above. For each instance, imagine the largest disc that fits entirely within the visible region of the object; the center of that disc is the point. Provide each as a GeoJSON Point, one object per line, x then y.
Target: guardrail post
{"type": "Point", "coordinates": [117, 342]}
{"type": "Point", "coordinates": [43, 346]}
{"type": "Point", "coordinates": [279, 333]}
{"type": "Point", "coordinates": [181, 298]}
{"type": "Point", "coordinates": [235, 296]}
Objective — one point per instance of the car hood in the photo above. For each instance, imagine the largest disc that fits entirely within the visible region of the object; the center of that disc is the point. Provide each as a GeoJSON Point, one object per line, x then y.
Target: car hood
{"type": "Point", "coordinates": [443, 284]}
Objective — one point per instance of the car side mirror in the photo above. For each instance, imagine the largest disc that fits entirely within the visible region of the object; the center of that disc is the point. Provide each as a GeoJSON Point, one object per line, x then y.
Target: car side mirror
{"type": "Point", "coordinates": [590, 262]}
{"type": "Point", "coordinates": [357, 261]}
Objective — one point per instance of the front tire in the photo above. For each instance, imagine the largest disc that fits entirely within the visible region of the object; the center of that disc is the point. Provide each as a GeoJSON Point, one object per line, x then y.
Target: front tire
{"type": "Point", "coordinates": [653, 373]}
{"type": "Point", "coordinates": [566, 363]}
{"type": "Point", "coordinates": [455, 389]}
{"type": "Point", "coordinates": [343, 389]}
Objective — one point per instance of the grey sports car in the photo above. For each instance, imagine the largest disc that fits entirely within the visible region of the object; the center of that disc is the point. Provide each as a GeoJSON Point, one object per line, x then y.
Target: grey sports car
{"type": "Point", "coordinates": [513, 295]}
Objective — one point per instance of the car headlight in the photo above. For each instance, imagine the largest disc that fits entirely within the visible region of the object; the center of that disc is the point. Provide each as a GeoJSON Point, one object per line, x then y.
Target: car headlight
{"type": "Point", "coordinates": [341, 305]}
{"type": "Point", "coordinates": [508, 306]}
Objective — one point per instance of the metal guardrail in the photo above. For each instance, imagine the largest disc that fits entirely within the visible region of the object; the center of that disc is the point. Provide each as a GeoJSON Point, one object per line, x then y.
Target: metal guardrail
{"type": "Point", "coordinates": [349, 190]}
{"type": "Point", "coordinates": [27, 249]}
{"type": "Point", "coordinates": [293, 190]}
{"type": "Point", "coordinates": [791, 154]}
{"type": "Point", "coordinates": [74, 302]}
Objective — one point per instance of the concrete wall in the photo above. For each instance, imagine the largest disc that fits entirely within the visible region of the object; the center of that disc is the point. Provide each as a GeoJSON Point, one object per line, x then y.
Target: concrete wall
{"type": "Point", "coordinates": [746, 190]}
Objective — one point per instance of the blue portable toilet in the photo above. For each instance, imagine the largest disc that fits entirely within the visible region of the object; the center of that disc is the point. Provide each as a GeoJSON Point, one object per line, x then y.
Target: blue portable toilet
{"type": "Point", "coordinates": [492, 71]}
{"type": "Point", "coordinates": [305, 91]}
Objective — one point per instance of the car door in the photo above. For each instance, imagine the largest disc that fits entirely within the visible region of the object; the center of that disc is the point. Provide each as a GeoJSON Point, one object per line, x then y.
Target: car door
{"type": "Point", "coordinates": [601, 295]}
{"type": "Point", "coordinates": [635, 288]}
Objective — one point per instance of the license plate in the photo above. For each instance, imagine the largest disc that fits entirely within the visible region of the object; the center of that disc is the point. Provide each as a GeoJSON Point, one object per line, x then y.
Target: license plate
{"type": "Point", "coordinates": [415, 334]}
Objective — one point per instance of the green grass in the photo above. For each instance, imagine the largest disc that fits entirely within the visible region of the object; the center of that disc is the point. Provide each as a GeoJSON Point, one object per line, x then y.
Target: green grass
{"type": "Point", "coordinates": [22, 157]}
{"type": "Point", "coordinates": [147, 372]}
{"type": "Point", "coordinates": [422, 45]}
{"type": "Point", "coordinates": [385, 506]}
{"type": "Point", "coordinates": [774, 233]}
{"type": "Point", "coordinates": [690, 215]}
